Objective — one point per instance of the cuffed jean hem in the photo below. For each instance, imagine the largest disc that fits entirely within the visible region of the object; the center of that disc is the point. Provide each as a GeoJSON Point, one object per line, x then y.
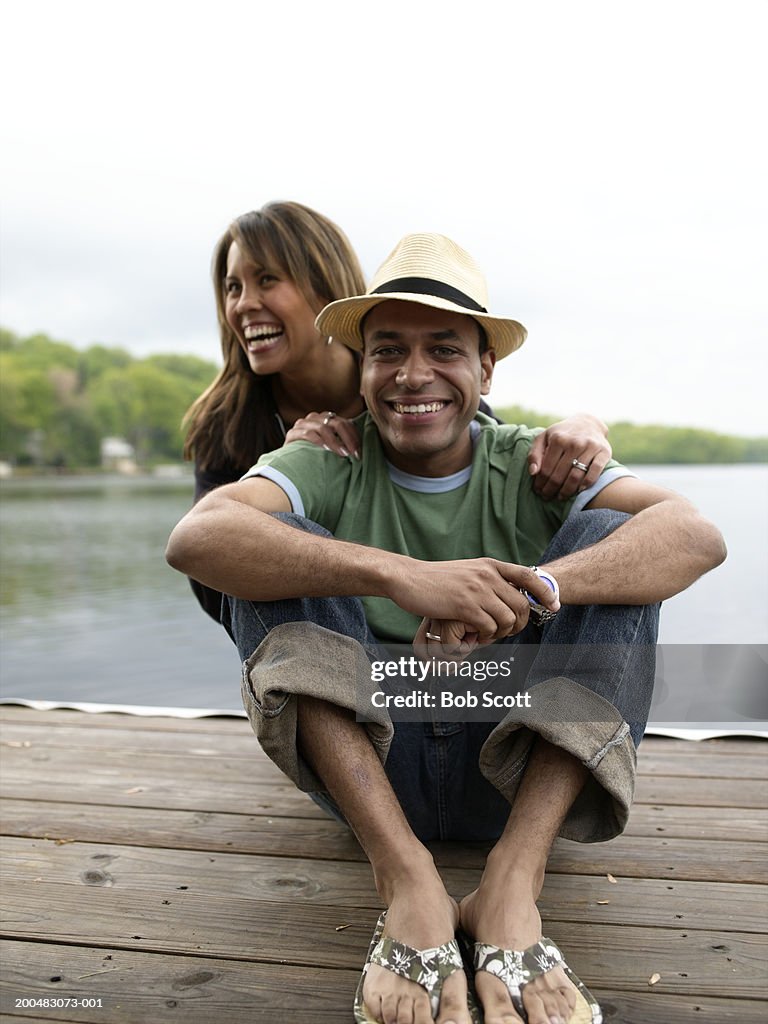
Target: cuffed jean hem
{"type": "Point", "coordinates": [298, 659]}
{"type": "Point", "coordinates": [588, 727]}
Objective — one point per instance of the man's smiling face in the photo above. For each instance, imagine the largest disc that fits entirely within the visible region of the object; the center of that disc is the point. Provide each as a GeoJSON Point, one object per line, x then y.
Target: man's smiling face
{"type": "Point", "coordinates": [422, 378]}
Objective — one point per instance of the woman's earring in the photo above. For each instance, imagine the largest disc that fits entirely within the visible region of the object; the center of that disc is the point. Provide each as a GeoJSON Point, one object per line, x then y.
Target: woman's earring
{"type": "Point", "coordinates": [329, 341]}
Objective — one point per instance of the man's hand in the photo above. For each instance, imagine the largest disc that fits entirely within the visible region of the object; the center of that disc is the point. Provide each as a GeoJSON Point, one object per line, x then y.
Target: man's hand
{"type": "Point", "coordinates": [455, 641]}
{"type": "Point", "coordinates": [327, 430]}
{"type": "Point", "coordinates": [479, 598]}
{"type": "Point", "coordinates": [550, 460]}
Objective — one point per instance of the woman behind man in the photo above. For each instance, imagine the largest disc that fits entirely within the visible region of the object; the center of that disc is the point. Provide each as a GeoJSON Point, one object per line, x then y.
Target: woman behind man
{"type": "Point", "coordinates": [274, 269]}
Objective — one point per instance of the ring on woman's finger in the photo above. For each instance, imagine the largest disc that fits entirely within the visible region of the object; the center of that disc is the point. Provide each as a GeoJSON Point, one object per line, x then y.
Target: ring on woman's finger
{"type": "Point", "coordinates": [327, 418]}
{"type": "Point", "coordinates": [434, 636]}
{"type": "Point", "coordinates": [579, 465]}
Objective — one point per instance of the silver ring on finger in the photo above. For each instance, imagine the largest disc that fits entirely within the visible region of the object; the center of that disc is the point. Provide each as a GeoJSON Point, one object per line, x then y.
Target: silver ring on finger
{"type": "Point", "coordinates": [579, 465]}
{"type": "Point", "coordinates": [434, 636]}
{"type": "Point", "coordinates": [327, 418]}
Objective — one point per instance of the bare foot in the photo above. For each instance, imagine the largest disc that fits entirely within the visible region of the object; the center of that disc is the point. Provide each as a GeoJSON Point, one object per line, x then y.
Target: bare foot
{"type": "Point", "coordinates": [420, 914]}
{"type": "Point", "coordinates": [502, 912]}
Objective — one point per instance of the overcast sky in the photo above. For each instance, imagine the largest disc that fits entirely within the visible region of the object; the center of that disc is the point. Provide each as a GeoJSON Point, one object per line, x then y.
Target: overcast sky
{"type": "Point", "coordinates": [604, 161]}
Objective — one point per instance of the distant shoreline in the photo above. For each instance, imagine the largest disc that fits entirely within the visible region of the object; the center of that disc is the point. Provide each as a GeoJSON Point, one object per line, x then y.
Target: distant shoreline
{"type": "Point", "coordinates": [184, 479]}
{"type": "Point", "coordinates": [644, 444]}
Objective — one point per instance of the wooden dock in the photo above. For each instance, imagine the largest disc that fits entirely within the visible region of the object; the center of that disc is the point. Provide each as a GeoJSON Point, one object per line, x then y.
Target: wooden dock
{"type": "Point", "coordinates": [161, 870]}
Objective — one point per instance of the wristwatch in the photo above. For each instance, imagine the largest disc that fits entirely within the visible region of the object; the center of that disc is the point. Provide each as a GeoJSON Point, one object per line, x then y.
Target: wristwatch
{"type": "Point", "coordinates": [539, 613]}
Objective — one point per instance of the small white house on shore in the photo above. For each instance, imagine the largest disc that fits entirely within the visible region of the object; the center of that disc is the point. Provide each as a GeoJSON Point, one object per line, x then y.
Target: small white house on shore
{"type": "Point", "coordinates": [118, 455]}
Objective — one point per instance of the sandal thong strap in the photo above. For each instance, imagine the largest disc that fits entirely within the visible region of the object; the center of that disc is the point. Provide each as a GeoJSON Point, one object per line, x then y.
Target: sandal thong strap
{"type": "Point", "coordinates": [516, 969]}
{"type": "Point", "coordinates": [427, 967]}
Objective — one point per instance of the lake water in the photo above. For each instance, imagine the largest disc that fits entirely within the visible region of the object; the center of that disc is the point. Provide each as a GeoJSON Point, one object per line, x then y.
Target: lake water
{"type": "Point", "coordinates": [91, 612]}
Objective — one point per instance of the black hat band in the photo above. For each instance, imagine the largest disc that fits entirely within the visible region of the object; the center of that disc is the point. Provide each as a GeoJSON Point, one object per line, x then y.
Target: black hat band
{"type": "Point", "coordinates": [426, 286]}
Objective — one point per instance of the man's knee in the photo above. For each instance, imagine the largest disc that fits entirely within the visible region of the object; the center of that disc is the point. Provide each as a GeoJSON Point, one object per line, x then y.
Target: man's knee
{"type": "Point", "coordinates": [582, 529]}
{"type": "Point", "coordinates": [301, 523]}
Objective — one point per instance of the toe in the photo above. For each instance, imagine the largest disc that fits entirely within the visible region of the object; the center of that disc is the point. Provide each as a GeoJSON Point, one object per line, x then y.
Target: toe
{"type": "Point", "coordinates": [535, 1008]}
{"type": "Point", "coordinates": [453, 1001]}
{"type": "Point", "coordinates": [496, 1000]}
{"type": "Point", "coordinates": [453, 1011]}
{"type": "Point", "coordinates": [568, 998]}
{"type": "Point", "coordinates": [404, 1011]}
{"type": "Point", "coordinates": [389, 1009]}
{"type": "Point", "coordinates": [548, 1006]}
{"type": "Point", "coordinates": [423, 1013]}
{"type": "Point", "coordinates": [555, 1009]}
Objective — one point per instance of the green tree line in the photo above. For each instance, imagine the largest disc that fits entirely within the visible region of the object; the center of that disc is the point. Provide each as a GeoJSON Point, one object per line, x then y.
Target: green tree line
{"type": "Point", "coordinates": [651, 443]}
{"type": "Point", "coordinates": [57, 403]}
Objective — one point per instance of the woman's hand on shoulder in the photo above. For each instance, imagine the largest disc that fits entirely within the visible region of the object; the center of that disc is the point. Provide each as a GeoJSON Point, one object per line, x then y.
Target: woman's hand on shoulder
{"type": "Point", "coordinates": [327, 430]}
{"type": "Point", "coordinates": [569, 456]}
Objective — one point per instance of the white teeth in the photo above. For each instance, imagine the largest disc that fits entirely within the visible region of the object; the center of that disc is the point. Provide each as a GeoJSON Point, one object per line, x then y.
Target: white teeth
{"type": "Point", "coordinates": [415, 410]}
{"type": "Point", "coordinates": [261, 332]}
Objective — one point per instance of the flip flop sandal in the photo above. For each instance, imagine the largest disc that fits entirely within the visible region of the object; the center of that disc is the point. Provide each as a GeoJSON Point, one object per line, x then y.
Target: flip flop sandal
{"type": "Point", "coordinates": [427, 967]}
{"type": "Point", "coordinates": [516, 969]}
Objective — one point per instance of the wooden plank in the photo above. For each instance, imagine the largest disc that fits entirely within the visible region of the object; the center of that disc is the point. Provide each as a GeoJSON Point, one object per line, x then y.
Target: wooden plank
{"type": "Point", "coordinates": [190, 783]}
{"type": "Point", "coordinates": [627, 855]}
{"type": "Point", "coordinates": [138, 987]}
{"type": "Point", "coordinates": [718, 744]}
{"type": "Point", "coordinates": [184, 830]}
{"type": "Point", "coordinates": [676, 859]}
{"type": "Point", "coordinates": [701, 792]}
{"type": "Point", "coordinates": [199, 795]}
{"type": "Point", "coordinates": [705, 963]}
{"type": "Point", "coordinates": [208, 830]}
{"type": "Point", "coordinates": [690, 762]}
{"type": "Point", "coordinates": [127, 731]}
{"type": "Point", "coordinates": [199, 743]}
{"type": "Point", "coordinates": [27, 1020]}
{"type": "Point", "coordinates": [169, 872]}
{"type": "Point", "coordinates": [680, 822]}
{"type": "Point", "coordinates": [218, 724]}
{"type": "Point", "coordinates": [639, 857]}
{"type": "Point", "coordinates": [645, 902]}
{"type": "Point", "coordinates": [229, 725]}
{"type": "Point", "coordinates": [654, 1007]}
{"type": "Point", "coordinates": [703, 764]}
{"type": "Point", "coordinates": [223, 784]}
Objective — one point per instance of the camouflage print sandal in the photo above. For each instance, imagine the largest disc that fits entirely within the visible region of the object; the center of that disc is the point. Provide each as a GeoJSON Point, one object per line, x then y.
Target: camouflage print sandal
{"type": "Point", "coordinates": [517, 969]}
{"type": "Point", "coordinates": [427, 967]}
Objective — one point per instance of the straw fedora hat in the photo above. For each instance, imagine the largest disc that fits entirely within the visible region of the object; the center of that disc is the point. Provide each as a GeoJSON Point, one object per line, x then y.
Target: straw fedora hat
{"type": "Point", "coordinates": [433, 271]}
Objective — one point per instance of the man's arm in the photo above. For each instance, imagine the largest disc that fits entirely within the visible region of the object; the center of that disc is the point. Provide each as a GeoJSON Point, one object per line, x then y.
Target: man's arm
{"type": "Point", "coordinates": [661, 550]}
{"type": "Point", "coordinates": [231, 543]}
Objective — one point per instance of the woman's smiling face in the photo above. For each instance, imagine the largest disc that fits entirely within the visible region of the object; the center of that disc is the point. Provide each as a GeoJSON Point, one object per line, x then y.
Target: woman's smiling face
{"type": "Point", "coordinates": [272, 321]}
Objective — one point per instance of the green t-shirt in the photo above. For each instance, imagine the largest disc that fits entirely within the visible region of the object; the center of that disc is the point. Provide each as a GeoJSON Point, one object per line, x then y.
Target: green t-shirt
{"type": "Point", "coordinates": [494, 512]}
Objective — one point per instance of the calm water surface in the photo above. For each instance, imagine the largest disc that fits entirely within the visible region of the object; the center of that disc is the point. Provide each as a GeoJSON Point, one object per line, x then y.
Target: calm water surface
{"type": "Point", "coordinates": [91, 612]}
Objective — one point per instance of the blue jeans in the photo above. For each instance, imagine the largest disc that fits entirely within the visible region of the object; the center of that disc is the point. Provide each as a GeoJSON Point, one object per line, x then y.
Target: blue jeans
{"type": "Point", "coordinates": [434, 767]}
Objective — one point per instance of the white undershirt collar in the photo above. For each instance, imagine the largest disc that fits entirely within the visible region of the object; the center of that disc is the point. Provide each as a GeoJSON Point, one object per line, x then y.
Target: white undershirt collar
{"type": "Point", "coordinates": [435, 484]}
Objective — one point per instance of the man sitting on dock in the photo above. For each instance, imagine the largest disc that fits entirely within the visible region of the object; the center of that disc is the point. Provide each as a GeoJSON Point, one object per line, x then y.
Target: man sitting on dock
{"type": "Point", "coordinates": [436, 534]}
